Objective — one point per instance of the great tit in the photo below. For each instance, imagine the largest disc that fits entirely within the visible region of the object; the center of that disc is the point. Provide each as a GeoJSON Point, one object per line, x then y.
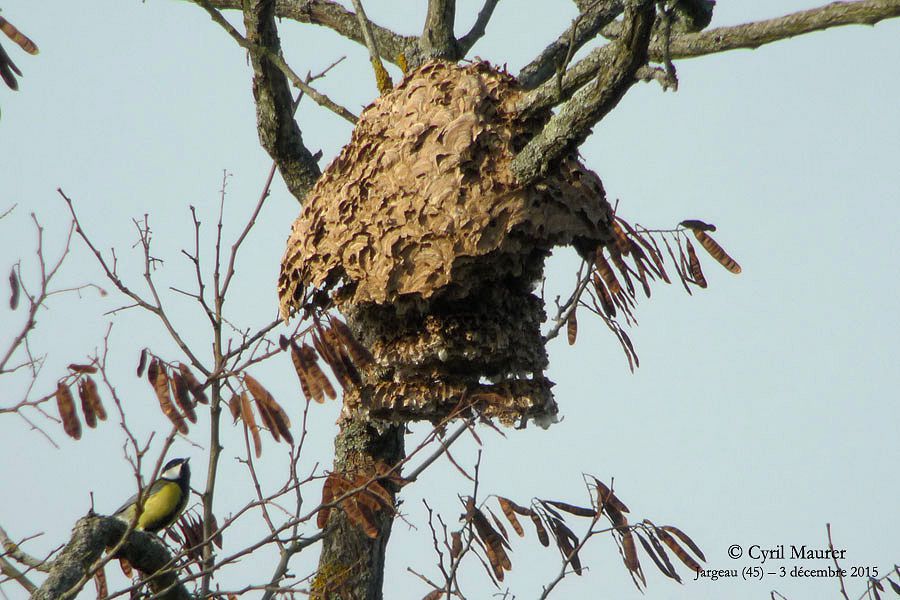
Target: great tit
{"type": "Point", "coordinates": [165, 499]}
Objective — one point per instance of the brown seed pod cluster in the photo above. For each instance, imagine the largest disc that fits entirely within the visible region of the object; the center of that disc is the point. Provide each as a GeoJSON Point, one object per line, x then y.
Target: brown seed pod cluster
{"type": "Point", "coordinates": [189, 535]}
{"type": "Point", "coordinates": [632, 260]}
{"type": "Point", "coordinates": [360, 496]}
{"type": "Point", "coordinates": [176, 388]}
{"type": "Point", "coordinates": [550, 521]}
{"type": "Point", "coordinates": [91, 405]}
{"type": "Point", "coordinates": [273, 417]}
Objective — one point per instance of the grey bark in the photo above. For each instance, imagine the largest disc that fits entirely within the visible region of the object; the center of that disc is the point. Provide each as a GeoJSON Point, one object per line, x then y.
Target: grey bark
{"type": "Point", "coordinates": [568, 129]}
{"type": "Point", "coordinates": [437, 39]}
{"type": "Point", "coordinates": [278, 132]}
{"type": "Point", "coordinates": [352, 564]}
{"type": "Point", "coordinates": [582, 30]}
{"type": "Point", "coordinates": [90, 538]}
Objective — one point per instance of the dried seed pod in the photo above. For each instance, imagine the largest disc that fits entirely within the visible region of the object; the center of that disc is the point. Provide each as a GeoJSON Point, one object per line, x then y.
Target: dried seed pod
{"type": "Point", "coordinates": [606, 273]}
{"type": "Point", "coordinates": [300, 368]}
{"type": "Point", "coordinates": [572, 327]}
{"type": "Point", "coordinates": [18, 37]}
{"type": "Point", "coordinates": [318, 381]}
{"type": "Point", "coordinates": [659, 557]}
{"type": "Point", "coordinates": [694, 262]}
{"type": "Point", "coordinates": [360, 515]}
{"type": "Point", "coordinates": [88, 387]}
{"type": "Point", "coordinates": [142, 362]}
{"type": "Point", "coordinates": [161, 387]}
{"type": "Point", "coordinates": [684, 538]}
{"type": "Point", "coordinates": [152, 371]}
{"type": "Point", "coordinates": [493, 543]}
{"type": "Point", "coordinates": [281, 421]}
{"type": "Point", "coordinates": [499, 526]}
{"type": "Point", "coordinates": [87, 369]}
{"type": "Point", "coordinates": [360, 355]}
{"type": "Point", "coordinates": [543, 538]}
{"type": "Point", "coordinates": [677, 550]}
{"type": "Point", "coordinates": [234, 407]}
{"type": "Point", "coordinates": [629, 551]}
{"type": "Point", "coordinates": [335, 343]}
{"type": "Point", "coordinates": [13, 289]}
{"type": "Point", "coordinates": [273, 416]}
{"type": "Point", "coordinates": [697, 225]}
{"type": "Point", "coordinates": [606, 302]}
{"type": "Point", "coordinates": [567, 542]}
{"type": "Point", "coordinates": [620, 238]}
{"type": "Point", "coordinates": [455, 544]}
{"type": "Point", "coordinates": [623, 269]}
{"type": "Point", "coordinates": [283, 342]}
{"type": "Point", "coordinates": [182, 397]}
{"type": "Point", "coordinates": [194, 386]}
{"type": "Point", "coordinates": [250, 422]}
{"type": "Point", "coordinates": [606, 497]}
{"type": "Point", "coordinates": [266, 416]}
{"type": "Point", "coordinates": [332, 357]}
{"type": "Point", "coordinates": [716, 251]}
{"type": "Point", "coordinates": [90, 417]}
{"type": "Point", "coordinates": [578, 511]}
{"type": "Point", "coordinates": [509, 512]}
{"type": "Point", "coordinates": [66, 405]}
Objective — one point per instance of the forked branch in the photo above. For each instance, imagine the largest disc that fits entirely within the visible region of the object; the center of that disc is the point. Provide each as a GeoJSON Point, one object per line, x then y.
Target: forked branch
{"type": "Point", "coordinates": [572, 125]}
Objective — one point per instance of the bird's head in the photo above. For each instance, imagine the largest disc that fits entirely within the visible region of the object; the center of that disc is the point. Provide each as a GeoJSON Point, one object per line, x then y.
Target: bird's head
{"type": "Point", "coordinates": [176, 469]}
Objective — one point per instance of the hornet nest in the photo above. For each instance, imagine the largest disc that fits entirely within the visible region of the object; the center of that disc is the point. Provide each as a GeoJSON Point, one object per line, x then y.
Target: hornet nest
{"type": "Point", "coordinates": [423, 239]}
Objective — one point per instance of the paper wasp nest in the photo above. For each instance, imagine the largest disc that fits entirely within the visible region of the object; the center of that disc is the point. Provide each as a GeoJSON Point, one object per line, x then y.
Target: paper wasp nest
{"type": "Point", "coordinates": [424, 241]}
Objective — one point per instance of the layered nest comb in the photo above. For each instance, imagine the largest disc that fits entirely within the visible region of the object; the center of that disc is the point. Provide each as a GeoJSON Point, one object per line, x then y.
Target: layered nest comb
{"type": "Point", "coordinates": [423, 240]}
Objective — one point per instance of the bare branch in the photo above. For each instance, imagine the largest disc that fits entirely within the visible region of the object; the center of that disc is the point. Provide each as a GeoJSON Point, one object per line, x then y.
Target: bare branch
{"type": "Point", "coordinates": [90, 537]}
{"type": "Point", "coordinates": [8, 569]}
{"type": "Point", "coordinates": [478, 29]}
{"type": "Point", "coordinates": [437, 40]}
{"type": "Point", "coordinates": [279, 134]}
{"type": "Point", "coordinates": [754, 35]}
{"type": "Point", "coordinates": [584, 28]}
{"type": "Point", "coordinates": [381, 75]}
{"type": "Point", "coordinates": [14, 551]}
{"type": "Point", "coordinates": [572, 125]}
{"type": "Point", "coordinates": [334, 16]}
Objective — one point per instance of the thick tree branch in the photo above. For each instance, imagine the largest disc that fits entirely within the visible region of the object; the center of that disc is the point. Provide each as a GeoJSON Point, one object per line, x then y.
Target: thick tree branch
{"type": "Point", "coordinates": [437, 40]}
{"type": "Point", "coordinates": [9, 570]}
{"type": "Point", "coordinates": [584, 28]}
{"type": "Point", "coordinates": [754, 35]}
{"type": "Point", "coordinates": [572, 125]}
{"type": "Point", "coordinates": [688, 45]}
{"type": "Point", "coordinates": [90, 538]}
{"type": "Point", "coordinates": [278, 132]}
{"type": "Point", "coordinates": [477, 32]}
{"type": "Point", "coordinates": [334, 16]}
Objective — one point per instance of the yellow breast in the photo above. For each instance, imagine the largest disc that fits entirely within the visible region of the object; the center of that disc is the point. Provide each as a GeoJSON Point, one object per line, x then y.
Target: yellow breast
{"type": "Point", "coordinates": [159, 506]}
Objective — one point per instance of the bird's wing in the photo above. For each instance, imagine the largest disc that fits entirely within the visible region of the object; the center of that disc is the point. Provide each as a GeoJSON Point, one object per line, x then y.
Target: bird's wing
{"type": "Point", "coordinates": [122, 510]}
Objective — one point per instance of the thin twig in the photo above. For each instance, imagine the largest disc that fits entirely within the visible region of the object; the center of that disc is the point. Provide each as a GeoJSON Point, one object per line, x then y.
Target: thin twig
{"type": "Point", "coordinates": [278, 61]}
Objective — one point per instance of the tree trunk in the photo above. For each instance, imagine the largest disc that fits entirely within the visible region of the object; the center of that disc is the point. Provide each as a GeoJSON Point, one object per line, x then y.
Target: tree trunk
{"type": "Point", "coordinates": [351, 566]}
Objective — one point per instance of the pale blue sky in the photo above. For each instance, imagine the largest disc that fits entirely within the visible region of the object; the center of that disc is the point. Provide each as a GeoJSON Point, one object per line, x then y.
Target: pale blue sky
{"type": "Point", "coordinates": [765, 405]}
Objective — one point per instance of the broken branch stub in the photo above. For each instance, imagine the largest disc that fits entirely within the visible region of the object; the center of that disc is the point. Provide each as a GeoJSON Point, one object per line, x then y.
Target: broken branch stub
{"type": "Point", "coordinates": [425, 241]}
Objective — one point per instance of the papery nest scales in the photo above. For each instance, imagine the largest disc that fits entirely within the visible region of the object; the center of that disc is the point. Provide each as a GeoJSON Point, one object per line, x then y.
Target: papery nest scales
{"type": "Point", "coordinates": [429, 246]}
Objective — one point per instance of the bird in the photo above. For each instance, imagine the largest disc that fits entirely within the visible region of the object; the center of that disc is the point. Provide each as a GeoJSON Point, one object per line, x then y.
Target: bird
{"type": "Point", "coordinates": [163, 501]}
